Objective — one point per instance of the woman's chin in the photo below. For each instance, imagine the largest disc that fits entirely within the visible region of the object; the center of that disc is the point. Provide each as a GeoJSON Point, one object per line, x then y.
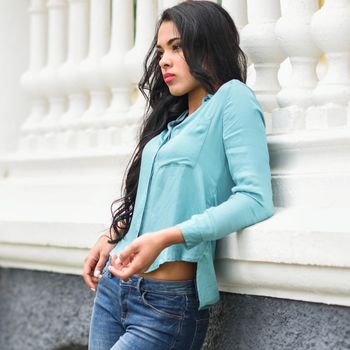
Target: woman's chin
{"type": "Point", "coordinates": [176, 92]}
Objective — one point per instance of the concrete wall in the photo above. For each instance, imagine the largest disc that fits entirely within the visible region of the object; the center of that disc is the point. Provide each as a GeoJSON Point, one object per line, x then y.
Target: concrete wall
{"type": "Point", "coordinates": [44, 311]}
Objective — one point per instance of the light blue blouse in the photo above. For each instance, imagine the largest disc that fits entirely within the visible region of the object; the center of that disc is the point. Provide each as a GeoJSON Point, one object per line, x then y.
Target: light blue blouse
{"type": "Point", "coordinates": [211, 178]}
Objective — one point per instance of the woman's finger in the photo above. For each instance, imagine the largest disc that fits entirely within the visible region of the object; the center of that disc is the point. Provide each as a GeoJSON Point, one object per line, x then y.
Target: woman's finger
{"type": "Point", "coordinates": [87, 273]}
{"type": "Point", "coordinates": [100, 265]}
{"type": "Point", "coordinates": [126, 255]}
{"type": "Point", "coordinates": [124, 272]}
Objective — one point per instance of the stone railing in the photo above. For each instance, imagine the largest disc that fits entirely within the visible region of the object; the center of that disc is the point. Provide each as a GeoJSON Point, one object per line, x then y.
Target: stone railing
{"type": "Point", "coordinates": [85, 61]}
{"type": "Point", "coordinates": [82, 74]}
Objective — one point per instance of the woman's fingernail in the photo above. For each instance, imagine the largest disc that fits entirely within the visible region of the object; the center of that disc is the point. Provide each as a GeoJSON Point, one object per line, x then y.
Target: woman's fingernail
{"type": "Point", "coordinates": [94, 290]}
{"type": "Point", "coordinates": [97, 273]}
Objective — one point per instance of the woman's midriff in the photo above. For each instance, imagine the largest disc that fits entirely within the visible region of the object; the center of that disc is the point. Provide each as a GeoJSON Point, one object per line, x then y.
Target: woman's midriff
{"type": "Point", "coordinates": [173, 271]}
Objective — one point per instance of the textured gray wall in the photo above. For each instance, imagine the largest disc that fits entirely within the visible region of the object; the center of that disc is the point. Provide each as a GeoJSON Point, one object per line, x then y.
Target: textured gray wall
{"type": "Point", "coordinates": [49, 311]}
{"type": "Point", "coordinates": [43, 311]}
{"type": "Point", "coordinates": [244, 322]}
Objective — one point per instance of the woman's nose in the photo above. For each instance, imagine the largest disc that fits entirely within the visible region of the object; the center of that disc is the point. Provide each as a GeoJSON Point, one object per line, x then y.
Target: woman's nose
{"type": "Point", "coordinates": [165, 60]}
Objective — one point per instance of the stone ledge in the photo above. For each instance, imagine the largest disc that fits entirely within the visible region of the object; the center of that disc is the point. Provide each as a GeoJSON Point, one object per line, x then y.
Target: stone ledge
{"type": "Point", "coordinates": [296, 254]}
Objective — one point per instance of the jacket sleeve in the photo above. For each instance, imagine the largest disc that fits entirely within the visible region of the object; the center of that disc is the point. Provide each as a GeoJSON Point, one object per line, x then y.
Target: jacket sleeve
{"type": "Point", "coordinates": [247, 155]}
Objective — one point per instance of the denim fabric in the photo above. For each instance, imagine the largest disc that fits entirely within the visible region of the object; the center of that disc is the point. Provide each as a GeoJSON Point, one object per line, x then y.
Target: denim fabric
{"type": "Point", "coordinates": [146, 314]}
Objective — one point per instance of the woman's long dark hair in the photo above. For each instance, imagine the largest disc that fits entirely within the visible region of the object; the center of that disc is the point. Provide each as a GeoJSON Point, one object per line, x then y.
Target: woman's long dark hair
{"type": "Point", "coordinates": [210, 43]}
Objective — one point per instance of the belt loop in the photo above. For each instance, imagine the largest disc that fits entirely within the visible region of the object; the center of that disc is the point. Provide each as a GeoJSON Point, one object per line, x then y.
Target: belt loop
{"type": "Point", "coordinates": [138, 286]}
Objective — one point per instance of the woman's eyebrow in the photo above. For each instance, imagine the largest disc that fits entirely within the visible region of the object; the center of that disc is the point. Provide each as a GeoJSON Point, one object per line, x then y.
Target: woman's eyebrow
{"type": "Point", "coordinates": [168, 43]}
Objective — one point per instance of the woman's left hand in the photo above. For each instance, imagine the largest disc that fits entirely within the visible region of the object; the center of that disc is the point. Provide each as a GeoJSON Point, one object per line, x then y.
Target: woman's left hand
{"type": "Point", "coordinates": [137, 257]}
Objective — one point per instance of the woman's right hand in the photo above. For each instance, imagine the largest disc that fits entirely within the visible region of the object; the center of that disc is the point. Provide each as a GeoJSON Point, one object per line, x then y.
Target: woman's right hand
{"type": "Point", "coordinates": [96, 260]}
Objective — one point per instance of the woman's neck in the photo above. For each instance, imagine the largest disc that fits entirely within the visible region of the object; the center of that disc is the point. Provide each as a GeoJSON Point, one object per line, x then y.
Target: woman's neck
{"type": "Point", "coordinates": [195, 99]}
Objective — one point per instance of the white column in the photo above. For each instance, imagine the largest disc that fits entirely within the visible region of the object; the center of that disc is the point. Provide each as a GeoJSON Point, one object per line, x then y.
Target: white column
{"type": "Point", "coordinates": [91, 66]}
{"type": "Point", "coordinates": [164, 4]}
{"type": "Point", "coordinates": [260, 43]}
{"type": "Point", "coordinates": [70, 75]}
{"type": "Point", "coordinates": [51, 84]}
{"type": "Point", "coordinates": [91, 73]}
{"type": "Point", "coordinates": [146, 15]}
{"type": "Point", "coordinates": [30, 80]}
{"type": "Point", "coordinates": [330, 28]}
{"type": "Point", "coordinates": [237, 10]}
{"type": "Point", "coordinates": [169, 3]}
{"type": "Point", "coordinates": [293, 33]}
{"type": "Point", "coordinates": [113, 68]}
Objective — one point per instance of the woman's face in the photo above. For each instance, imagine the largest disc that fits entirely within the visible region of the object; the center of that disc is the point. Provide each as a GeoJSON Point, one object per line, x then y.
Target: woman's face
{"type": "Point", "coordinates": [173, 65]}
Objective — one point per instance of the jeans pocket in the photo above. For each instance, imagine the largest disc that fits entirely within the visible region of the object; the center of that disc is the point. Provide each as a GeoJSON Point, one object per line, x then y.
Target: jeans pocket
{"type": "Point", "coordinates": [169, 305]}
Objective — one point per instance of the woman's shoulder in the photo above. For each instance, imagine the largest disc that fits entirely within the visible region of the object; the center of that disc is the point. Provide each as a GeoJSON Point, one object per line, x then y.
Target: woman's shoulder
{"type": "Point", "coordinates": [236, 94]}
{"type": "Point", "coordinates": [234, 88]}
{"type": "Point", "coordinates": [237, 101]}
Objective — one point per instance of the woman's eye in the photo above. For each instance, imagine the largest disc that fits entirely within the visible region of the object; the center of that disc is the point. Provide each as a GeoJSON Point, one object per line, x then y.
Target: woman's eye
{"type": "Point", "coordinates": [175, 47]}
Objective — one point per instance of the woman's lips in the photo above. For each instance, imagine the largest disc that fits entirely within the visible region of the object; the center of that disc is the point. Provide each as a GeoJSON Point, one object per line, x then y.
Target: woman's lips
{"type": "Point", "coordinates": [168, 78]}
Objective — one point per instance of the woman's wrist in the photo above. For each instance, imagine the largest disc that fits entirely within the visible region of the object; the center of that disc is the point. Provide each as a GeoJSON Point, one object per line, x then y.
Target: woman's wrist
{"type": "Point", "coordinates": [169, 236]}
{"type": "Point", "coordinates": [108, 235]}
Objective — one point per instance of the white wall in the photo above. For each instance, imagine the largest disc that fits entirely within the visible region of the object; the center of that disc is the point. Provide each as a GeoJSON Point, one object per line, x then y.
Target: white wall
{"type": "Point", "coordinates": [14, 39]}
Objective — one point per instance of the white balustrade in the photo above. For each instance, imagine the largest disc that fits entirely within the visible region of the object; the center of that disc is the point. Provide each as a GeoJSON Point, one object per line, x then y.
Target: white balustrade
{"type": "Point", "coordinates": [91, 72]}
{"type": "Point", "coordinates": [113, 69]}
{"type": "Point", "coordinates": [146, 16]}
{"type": "Point", "coordinates": [52, 86]}
{"type": "Point", "coordinates": [30, 80]}
{"type": "Point", "coordinates": [259, 41]}
{"type": "Point", "coordinates": [164, 4]}
{"type": "Point", "coordinates": [102, 67]}
{"type": "Point", "coordinates": [330, 28]}
{"type": "Point", "coordinates": [70, 74]}
{"type": "Point", "coordinates": [293, 33]}
{"type": "Point", "coordinates": [237, 10]}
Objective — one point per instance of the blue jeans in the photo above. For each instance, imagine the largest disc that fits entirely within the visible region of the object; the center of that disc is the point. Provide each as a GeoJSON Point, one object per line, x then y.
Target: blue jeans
{"type": "Point", "coordinates": [147, 314]}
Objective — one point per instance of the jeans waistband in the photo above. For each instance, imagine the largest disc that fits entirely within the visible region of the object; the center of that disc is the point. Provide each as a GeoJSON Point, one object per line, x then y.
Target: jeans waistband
{"type": "Point", "coordinates": [160, 286]}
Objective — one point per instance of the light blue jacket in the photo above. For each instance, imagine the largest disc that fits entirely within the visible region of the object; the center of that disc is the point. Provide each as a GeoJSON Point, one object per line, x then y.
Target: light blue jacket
{"type": "Point", "coordinates": [211, 178]}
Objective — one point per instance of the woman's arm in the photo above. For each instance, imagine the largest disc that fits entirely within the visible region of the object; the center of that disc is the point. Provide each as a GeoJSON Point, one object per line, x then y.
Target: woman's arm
{"type": "Point", "coordinates": [247, 155]}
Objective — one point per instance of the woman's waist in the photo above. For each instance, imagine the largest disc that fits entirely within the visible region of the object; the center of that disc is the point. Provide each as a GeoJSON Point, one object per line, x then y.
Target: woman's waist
{"type": "Point", "coordinates": [185, 287]}
{"type": "Point", "coordinates": [173, 271]}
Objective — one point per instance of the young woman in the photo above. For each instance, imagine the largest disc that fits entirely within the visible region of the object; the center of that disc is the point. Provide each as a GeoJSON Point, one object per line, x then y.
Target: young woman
{"type": "Point", "coordinates": [200, 171]}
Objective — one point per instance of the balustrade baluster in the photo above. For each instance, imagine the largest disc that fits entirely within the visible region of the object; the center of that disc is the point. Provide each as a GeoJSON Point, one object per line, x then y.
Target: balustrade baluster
{"type": "Point", "coordinates": [70, 74]}
{"type": "Point", "coordinates": [164, 4]}
{"type": "Point", "coordinates": [293, 34]}
{"type": "Point", "coordinates": [330, 28]}
{"type": "Point", "coordinates": [91, 72]}
{"type": "Point", "coordinates": [259, 41]}
{"type": "Point", "coordinates": [114, 73]}
{"type": "Point", "coordinates": [50, 81]}
{"type": "Point", "coordinates": [146, 16]}
{"type": "Point", "coordinates": [237, 10]}
{"type": "Point", "coordinates": [30, 80]}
